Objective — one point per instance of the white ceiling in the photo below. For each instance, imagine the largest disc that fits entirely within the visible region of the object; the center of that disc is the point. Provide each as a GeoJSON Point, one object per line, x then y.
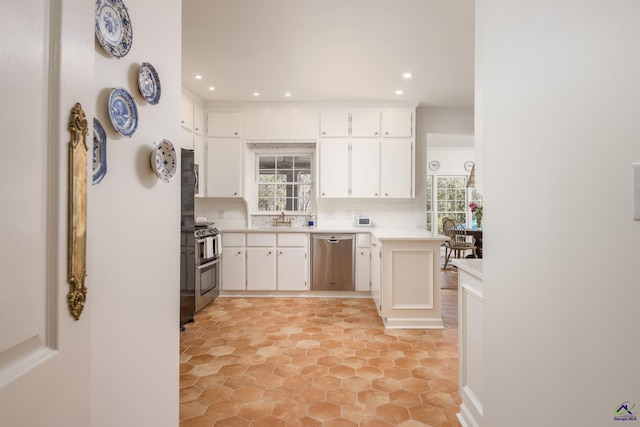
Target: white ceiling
{"type": "Point", "coordinates": [330, 50]}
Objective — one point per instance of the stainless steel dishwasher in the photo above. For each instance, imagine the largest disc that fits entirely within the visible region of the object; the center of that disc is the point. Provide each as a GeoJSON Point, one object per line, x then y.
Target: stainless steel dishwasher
{"type": "Point", "coordinates": [332, 262]}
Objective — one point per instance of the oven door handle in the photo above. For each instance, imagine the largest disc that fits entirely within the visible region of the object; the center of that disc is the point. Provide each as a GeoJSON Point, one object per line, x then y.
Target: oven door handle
{"type": "Point", "coordinates": [207, 265]}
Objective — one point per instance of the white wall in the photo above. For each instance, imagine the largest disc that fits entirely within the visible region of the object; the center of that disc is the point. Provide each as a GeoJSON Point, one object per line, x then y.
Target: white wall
{"type": "Point", "coordinates": [443, 122]}
{"type": "Point", "coordinates": [134, 222]}
{"type": "Point", "coordinates": [561, 102]}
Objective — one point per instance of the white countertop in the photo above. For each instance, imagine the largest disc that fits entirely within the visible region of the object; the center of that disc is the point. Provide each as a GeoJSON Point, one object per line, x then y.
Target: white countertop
{"type": "Point", "coordinates": [472, 266]}
{"type": "Point", "coordinates": [381, 233]}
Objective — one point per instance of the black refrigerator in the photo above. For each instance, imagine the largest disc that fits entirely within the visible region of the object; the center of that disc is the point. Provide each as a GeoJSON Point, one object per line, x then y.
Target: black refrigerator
{"type": "Point", "coordinates": [188, 180]}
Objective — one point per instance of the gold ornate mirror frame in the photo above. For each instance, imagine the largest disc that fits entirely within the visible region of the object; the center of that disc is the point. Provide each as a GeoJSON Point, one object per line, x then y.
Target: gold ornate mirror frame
{"type": "Point", "coordinates": [77, 251]}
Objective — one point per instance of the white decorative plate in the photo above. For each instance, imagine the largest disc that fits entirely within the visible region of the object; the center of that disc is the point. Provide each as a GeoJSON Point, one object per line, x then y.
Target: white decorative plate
{"type": "Point", "coordinates": [149, 83]}
{"type": "Point", "coordinates": [123, 112]}
{"type": "Point", "coordinates": [163, 160]}
{"type": "Point", "coordinates": [468, 165]}
{"type": "Point", "coordinates": [113, 27]}
{"type": "Point", "coordinates": [99, 151]}
{"type": "Point", "coordinates": [434, 165]}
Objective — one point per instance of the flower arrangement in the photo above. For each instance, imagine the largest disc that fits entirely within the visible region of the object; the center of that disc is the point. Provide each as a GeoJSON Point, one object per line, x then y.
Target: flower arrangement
{"type": "Point", "coordinates": [476, 210]}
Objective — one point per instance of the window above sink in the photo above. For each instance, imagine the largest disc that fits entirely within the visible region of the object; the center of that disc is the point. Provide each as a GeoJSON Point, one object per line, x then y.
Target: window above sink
{"type": "Point", "coordinates": [284, 182]}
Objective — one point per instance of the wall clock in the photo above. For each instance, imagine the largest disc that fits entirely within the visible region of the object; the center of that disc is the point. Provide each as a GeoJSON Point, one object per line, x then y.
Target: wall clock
{"type": "Point", "coordinates": [468, 165]}
{"type": "Point", "coordinates": [434, 165]}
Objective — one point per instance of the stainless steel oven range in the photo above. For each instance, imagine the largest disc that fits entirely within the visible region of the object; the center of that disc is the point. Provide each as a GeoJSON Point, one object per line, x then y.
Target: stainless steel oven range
{"type": "Point", "coordinates": [208, 265]}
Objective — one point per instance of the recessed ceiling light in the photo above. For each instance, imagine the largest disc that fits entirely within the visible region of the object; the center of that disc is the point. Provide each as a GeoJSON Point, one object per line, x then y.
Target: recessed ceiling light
{"type": "Point", "coordinates": [407, 75]}
{"type": "Point", "coordinates": [198, 77]}
{"type": "Point", "coordinates": [287, 94]}
{"type": "Point", "coordinates": [212, 88]}
{"type": "Point", "coordinates": [256, 94]}
{"type": "Point", "coordinates": [399, 92]}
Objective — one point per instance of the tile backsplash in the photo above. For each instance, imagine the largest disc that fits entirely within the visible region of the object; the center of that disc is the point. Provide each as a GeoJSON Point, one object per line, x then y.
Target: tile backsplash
{"type": "Point", "coordinates": [269, 220]}
{"type": "Point", "coordinates": [232, 213]}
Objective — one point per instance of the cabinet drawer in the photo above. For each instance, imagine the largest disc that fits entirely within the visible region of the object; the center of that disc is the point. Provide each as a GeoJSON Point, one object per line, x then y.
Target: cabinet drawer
{"type": "Point", "coordinates": [233, 239]}
{"type": "Point", "coordinates": [364, 240]}
{"type": "Point", "coordinates": [261, 239]}
{"type": "Point", "coordinates": [292, 239]}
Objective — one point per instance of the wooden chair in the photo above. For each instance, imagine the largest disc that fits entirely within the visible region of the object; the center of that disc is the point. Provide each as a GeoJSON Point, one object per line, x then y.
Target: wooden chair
{"type": "Point", "coordinates": [458, 243]}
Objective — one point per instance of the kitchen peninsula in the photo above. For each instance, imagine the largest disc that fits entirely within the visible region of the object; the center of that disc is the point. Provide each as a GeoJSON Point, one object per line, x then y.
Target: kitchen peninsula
{"type": "Point", "coordinates": [397, 267]}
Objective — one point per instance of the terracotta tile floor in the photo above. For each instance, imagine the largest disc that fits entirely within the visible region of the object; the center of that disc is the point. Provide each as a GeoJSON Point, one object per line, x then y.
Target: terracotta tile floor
{"type": "Point", "coordinates": [315, 362]}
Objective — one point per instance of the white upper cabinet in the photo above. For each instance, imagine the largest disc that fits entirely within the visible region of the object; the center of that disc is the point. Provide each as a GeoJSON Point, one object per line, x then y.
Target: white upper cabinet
{"type": "Point", "coordinates": [192, 122]}
{"type": "Point", "coordinates": [397, 123]}
{"type": "Point", "coordinates": [280, 124]}
{"type": "Point", "coordinates": [365, 123]}
{"type": "Point", "coordinates": [224, 169]}
{"type": "Point", "coordinates": [334, 168]}
{"type": "Point", "coordinates": [199, 152]}
{"type": "Point", "coordinates": [198, 120]}
{"type": "Point", "coordinates": [396, 169]}
{"type": "Point", "coordinates": [358, 123]}
{"type": "Point", "coordinates": [334, 123]}
{"type": "Point", "coordinates": [365, 168]}
{"type": "Point", "coordinates": [224, 125]}
{"type": "Point", "coordinates": [186, 114]}
{"type": "Point", "coordinates": [186, 138]}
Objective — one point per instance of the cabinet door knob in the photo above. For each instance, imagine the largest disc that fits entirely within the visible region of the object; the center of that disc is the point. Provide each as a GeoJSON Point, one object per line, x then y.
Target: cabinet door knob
{"type": "Point", "coordinates": [269, 253]}
{"type": "Point", "coordinates": [280, 253]}
{"type": "Point", "coordinates": [386, 194]}
{"type": "Point", "coordinates": [375, 133]}
{"type": "Point", "coordinates": [323, 194]}
{"type": "Point", "coordinates": [361, 253]}
{"type": "Point", "coordinates": [235, 133]}
{"type": "Point", "coordinates": [239, 252]}
{"type": "Point", "coordinates": [376, 194]}
{"type": "Point", "coordinates": [386, 133]}
{"type": "Point", "coordinates": [235, 194]}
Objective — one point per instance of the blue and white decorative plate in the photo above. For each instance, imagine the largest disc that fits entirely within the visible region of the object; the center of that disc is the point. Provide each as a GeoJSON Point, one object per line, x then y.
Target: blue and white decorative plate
{"type": "Point", "coordinates": [149, 83]}
{"type": "Point", "coordinates": [123, 112]}
{"type": "Point", "coordinates": [113, 27]}
{"type": "Point", "coordinates": [99, 151]}
{"type": "Point", "coordinates": [163, 160]}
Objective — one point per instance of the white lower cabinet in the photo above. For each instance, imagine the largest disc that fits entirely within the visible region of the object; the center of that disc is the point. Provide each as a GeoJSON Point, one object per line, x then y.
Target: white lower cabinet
{"type": "Point", "coordinates": [261, 261]}
{"type": "Point", "coordinates": [376, 273]}
{"type": "Point", "coordinates": [292, 269]}
{"type": "Point", "coordinates": [233, 262]}
{"type": "Point", "coordinates": [293, 262]}
{"type": "Point", "coordinates": [363, 263]}
{"type": "Point", "coordinates": [233, 269]}
{"type": "Point", "coordinates": [363, 273]}
{"type": "Point", "coordinates": [261, 269]}
{"type": "Point", "coordinates": [408, 285]}
{"type": "Point", "coordinates": [267, 262]}
{"type": "Point", "coordinates": [470, 341]}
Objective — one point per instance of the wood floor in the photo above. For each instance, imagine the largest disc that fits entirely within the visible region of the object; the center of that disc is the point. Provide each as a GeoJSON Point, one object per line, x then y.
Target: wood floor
{"type": "Point", "coordinates": [317, 362]}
